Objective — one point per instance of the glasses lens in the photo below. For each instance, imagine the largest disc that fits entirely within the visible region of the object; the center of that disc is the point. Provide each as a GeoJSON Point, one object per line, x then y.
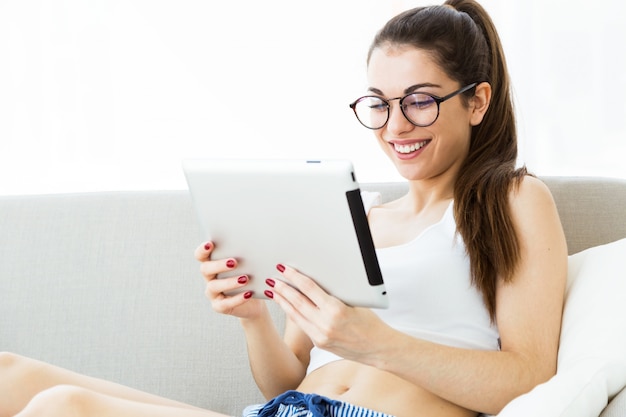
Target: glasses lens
{"type": "Point", "coordinates": [371, 111]}
{"type": "Point", "coordinates": [420, 109]}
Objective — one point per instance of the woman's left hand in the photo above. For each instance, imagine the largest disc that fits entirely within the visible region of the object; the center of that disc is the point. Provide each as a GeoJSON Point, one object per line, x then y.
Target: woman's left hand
{"type": "Point", "coordinates": [330, 324]}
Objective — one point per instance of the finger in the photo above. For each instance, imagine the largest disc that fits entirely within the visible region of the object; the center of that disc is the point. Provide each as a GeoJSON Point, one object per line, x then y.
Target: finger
{"type": "Point", "coordinates": [305, 285]}
{"type": "Point", "coordinates": [203, 251]}
{"type": "Point", "coordinates": [210, 269]}
{"type": "Point", "coordinates": [298, 307]}
{"type": "Point", "coordinates": [303, 320]}
{"type": "Point", "coordinates": [227, 305]}
{"type": "Point", "coordinates": [308, 317]}
{"type": "Point", "coordinates": [217, 287]}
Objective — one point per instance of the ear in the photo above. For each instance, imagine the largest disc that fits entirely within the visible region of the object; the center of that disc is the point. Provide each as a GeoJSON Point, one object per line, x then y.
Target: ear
{"type": "Point", "coordinates": [480, 103]}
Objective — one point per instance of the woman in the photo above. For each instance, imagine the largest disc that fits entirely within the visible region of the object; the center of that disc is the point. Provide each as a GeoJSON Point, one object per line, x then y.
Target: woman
{"type": "Point", "coordinates": [464, 334]}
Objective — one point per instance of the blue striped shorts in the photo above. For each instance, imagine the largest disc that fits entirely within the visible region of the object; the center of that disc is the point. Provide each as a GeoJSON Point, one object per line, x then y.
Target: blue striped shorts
{"type": "Point", "coordinates": [297, 404]}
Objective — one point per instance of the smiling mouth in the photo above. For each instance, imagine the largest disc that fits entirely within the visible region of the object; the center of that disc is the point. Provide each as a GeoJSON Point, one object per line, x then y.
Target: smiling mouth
{"type": "Point", "coordinates": [405, 149]}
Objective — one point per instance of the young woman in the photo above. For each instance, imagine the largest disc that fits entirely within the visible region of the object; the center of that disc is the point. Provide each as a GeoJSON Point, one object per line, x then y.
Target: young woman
{"type": "Point", "coordinates": [474, 260]}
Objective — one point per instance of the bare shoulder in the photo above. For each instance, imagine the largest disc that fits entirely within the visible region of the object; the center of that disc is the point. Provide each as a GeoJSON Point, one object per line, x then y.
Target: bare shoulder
{"type": "Point", "coordinates": [533, 207]}
{"type": "Point", "coordinates": [531, 190]}
{"type": "Point", "coordinates": [534, 212]}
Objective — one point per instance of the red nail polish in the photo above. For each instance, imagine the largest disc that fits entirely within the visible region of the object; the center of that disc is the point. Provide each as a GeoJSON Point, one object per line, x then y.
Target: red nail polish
{"type": "Point", "coordinates": [268, 294]}
{"type": "Point", "coordinates": [230, 263]}
{"type": "Point", "coordinates": [247, 295]}
{"type": "Point", "coordinates": [280, 267]}
{"type": "Point", "coordinates": [242, 279]}
{"type": "Point", "coordinates": [270, 282]}
{"type": "Point", "coordinates": [208, 246]}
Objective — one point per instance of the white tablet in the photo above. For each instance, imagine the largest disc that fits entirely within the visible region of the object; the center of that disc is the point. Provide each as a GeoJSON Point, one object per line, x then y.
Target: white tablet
{"type": "Point", "coordinates": [305, 214]}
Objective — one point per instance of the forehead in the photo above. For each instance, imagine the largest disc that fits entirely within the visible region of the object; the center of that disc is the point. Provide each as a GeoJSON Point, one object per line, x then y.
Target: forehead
{"type": "Point", "coordinates": [391, 69]}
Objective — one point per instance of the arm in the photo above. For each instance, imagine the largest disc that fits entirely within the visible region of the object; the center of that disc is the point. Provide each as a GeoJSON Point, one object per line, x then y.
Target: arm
{"type": "Point", "coordinates": [528, 314]}
{"type": "Point", "coordinates": [277, 365]}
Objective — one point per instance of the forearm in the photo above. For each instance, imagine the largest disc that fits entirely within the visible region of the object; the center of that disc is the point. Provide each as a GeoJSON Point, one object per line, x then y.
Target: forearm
{"type": "Point", "coordinates": [274, 366]}
{"type": "Point", "coordinates": [483, 381]}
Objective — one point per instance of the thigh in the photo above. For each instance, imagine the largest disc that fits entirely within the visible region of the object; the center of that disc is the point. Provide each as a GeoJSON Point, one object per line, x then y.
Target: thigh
{"type": "Point", "coordinates": [22, 378]}
{"type": "Point", "coordinates": [64, 400]}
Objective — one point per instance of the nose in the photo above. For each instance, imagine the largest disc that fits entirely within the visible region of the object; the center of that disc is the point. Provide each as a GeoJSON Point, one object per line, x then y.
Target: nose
{"type": "Point", "coordinates": [397, 122]}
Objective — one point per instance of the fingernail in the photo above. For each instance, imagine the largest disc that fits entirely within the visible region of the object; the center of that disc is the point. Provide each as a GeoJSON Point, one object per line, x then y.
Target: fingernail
{"type": "Point", "coordinates": [268, 294]}
{"type": "Point", "coordinates": [208, 246]}
{"type": "Point", "coordinates": [247, 295]}
{"type": "Point", "coordinates": [270, 282]}
{"type": "Point", "coordinates": [242, 279]}
{"type": "Point", "coordinates": [280, 267]}
{"type": "Point", "coordinates": [230, 263]}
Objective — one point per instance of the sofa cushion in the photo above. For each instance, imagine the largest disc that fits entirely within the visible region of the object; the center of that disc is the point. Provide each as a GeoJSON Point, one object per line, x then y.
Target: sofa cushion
{"type": "Point", "coordinates": [591, 364]}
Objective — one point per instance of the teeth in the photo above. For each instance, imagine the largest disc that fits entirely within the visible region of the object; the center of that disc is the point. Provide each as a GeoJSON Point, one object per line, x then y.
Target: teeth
{"type": "Point", "coordinates": [409, 148]}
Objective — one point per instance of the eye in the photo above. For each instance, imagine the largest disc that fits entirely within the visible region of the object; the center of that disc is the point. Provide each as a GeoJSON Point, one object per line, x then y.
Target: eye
{"type": "Point", "coordinates": [418, 101]}
{"type": "Point", "coordinates": [375, 104]}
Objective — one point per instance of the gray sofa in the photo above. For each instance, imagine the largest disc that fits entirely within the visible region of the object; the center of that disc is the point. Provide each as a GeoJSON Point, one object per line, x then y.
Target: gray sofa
{"type": "Point", "coordinates": [106, 284]}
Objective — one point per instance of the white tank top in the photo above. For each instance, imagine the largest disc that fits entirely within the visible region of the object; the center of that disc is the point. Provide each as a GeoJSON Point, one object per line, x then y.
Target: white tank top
{"type": "Point", "coordinates": [430, 293]}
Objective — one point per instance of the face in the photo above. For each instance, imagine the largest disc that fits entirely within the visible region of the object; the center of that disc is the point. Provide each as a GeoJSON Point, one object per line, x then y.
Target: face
{"type": "Point", "coordinates": [420, 153]}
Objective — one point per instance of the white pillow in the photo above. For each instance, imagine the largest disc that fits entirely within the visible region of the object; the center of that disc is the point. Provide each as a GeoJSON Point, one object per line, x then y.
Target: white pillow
{"type": "Point", "coordinates": [592, 350]}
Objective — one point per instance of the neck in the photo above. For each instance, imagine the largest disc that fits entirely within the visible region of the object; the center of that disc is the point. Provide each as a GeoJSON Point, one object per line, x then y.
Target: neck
{"type": "Point", "coordinates": [428, 193]}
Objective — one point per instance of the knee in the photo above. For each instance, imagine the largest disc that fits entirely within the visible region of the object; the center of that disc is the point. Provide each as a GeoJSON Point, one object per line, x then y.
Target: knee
{"type": "Point", "coordinates": [11, 365]}
{"type": "Point", "coordinates": [60, 400]}
{"type": "Point", "coordinates": [8, 360]}
{"type": "Point", "coordinates": [14, 369]}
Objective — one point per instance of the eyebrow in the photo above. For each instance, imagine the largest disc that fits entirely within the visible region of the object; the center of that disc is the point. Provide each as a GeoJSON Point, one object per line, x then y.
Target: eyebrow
{"type": "Point", "coordinates": [408, 90]}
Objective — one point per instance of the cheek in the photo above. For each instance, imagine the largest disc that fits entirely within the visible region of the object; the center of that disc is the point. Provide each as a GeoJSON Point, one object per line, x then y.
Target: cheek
{"type": "Point", "coordinates": [458, 128]}
{"type": "Point", "coordinates": [454, 140]}
{"type": "Point", "coordinates": [462, 142]}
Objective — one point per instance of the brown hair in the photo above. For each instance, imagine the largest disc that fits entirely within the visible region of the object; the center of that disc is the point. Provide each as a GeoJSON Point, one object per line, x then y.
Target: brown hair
{"type": "Point", "coordinates": [462, 39]}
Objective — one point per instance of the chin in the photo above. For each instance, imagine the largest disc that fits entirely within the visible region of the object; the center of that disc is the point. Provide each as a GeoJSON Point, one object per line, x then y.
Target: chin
{"type": "Point", "coordinates": [409, 174]}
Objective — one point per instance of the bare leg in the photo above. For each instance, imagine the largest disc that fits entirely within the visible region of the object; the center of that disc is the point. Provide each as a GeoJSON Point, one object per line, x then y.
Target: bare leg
{"type": "Point", "coordinates": [24, 381]}
{"type": "Point", "coordinates": [65, 400]}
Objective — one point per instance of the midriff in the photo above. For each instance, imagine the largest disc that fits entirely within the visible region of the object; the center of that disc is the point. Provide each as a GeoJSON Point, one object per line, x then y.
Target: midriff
{"type": "Point", "coordinates": [378, 390]}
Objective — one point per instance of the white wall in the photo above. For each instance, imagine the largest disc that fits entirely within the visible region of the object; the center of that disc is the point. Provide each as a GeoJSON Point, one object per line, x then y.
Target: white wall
{"type": "Point", "coordinates": [112, 94]}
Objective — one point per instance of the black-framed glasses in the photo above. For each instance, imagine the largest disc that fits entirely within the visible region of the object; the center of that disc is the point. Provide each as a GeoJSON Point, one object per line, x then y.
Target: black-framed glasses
{"type": "Point", "coordinates": [421, 109]}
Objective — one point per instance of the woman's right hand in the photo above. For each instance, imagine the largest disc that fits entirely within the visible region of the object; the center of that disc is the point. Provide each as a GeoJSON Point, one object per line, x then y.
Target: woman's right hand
{"type": "Point", "coordinates": [240, 305]}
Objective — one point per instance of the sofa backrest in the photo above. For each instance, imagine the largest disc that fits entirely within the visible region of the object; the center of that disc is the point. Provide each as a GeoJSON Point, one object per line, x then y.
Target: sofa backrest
{"type": "Point", "coordinates": [592, 210]}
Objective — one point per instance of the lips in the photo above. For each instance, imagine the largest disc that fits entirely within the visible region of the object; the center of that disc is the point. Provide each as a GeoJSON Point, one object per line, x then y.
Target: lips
{"type": "Point", "coordinates": [407, 148]}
